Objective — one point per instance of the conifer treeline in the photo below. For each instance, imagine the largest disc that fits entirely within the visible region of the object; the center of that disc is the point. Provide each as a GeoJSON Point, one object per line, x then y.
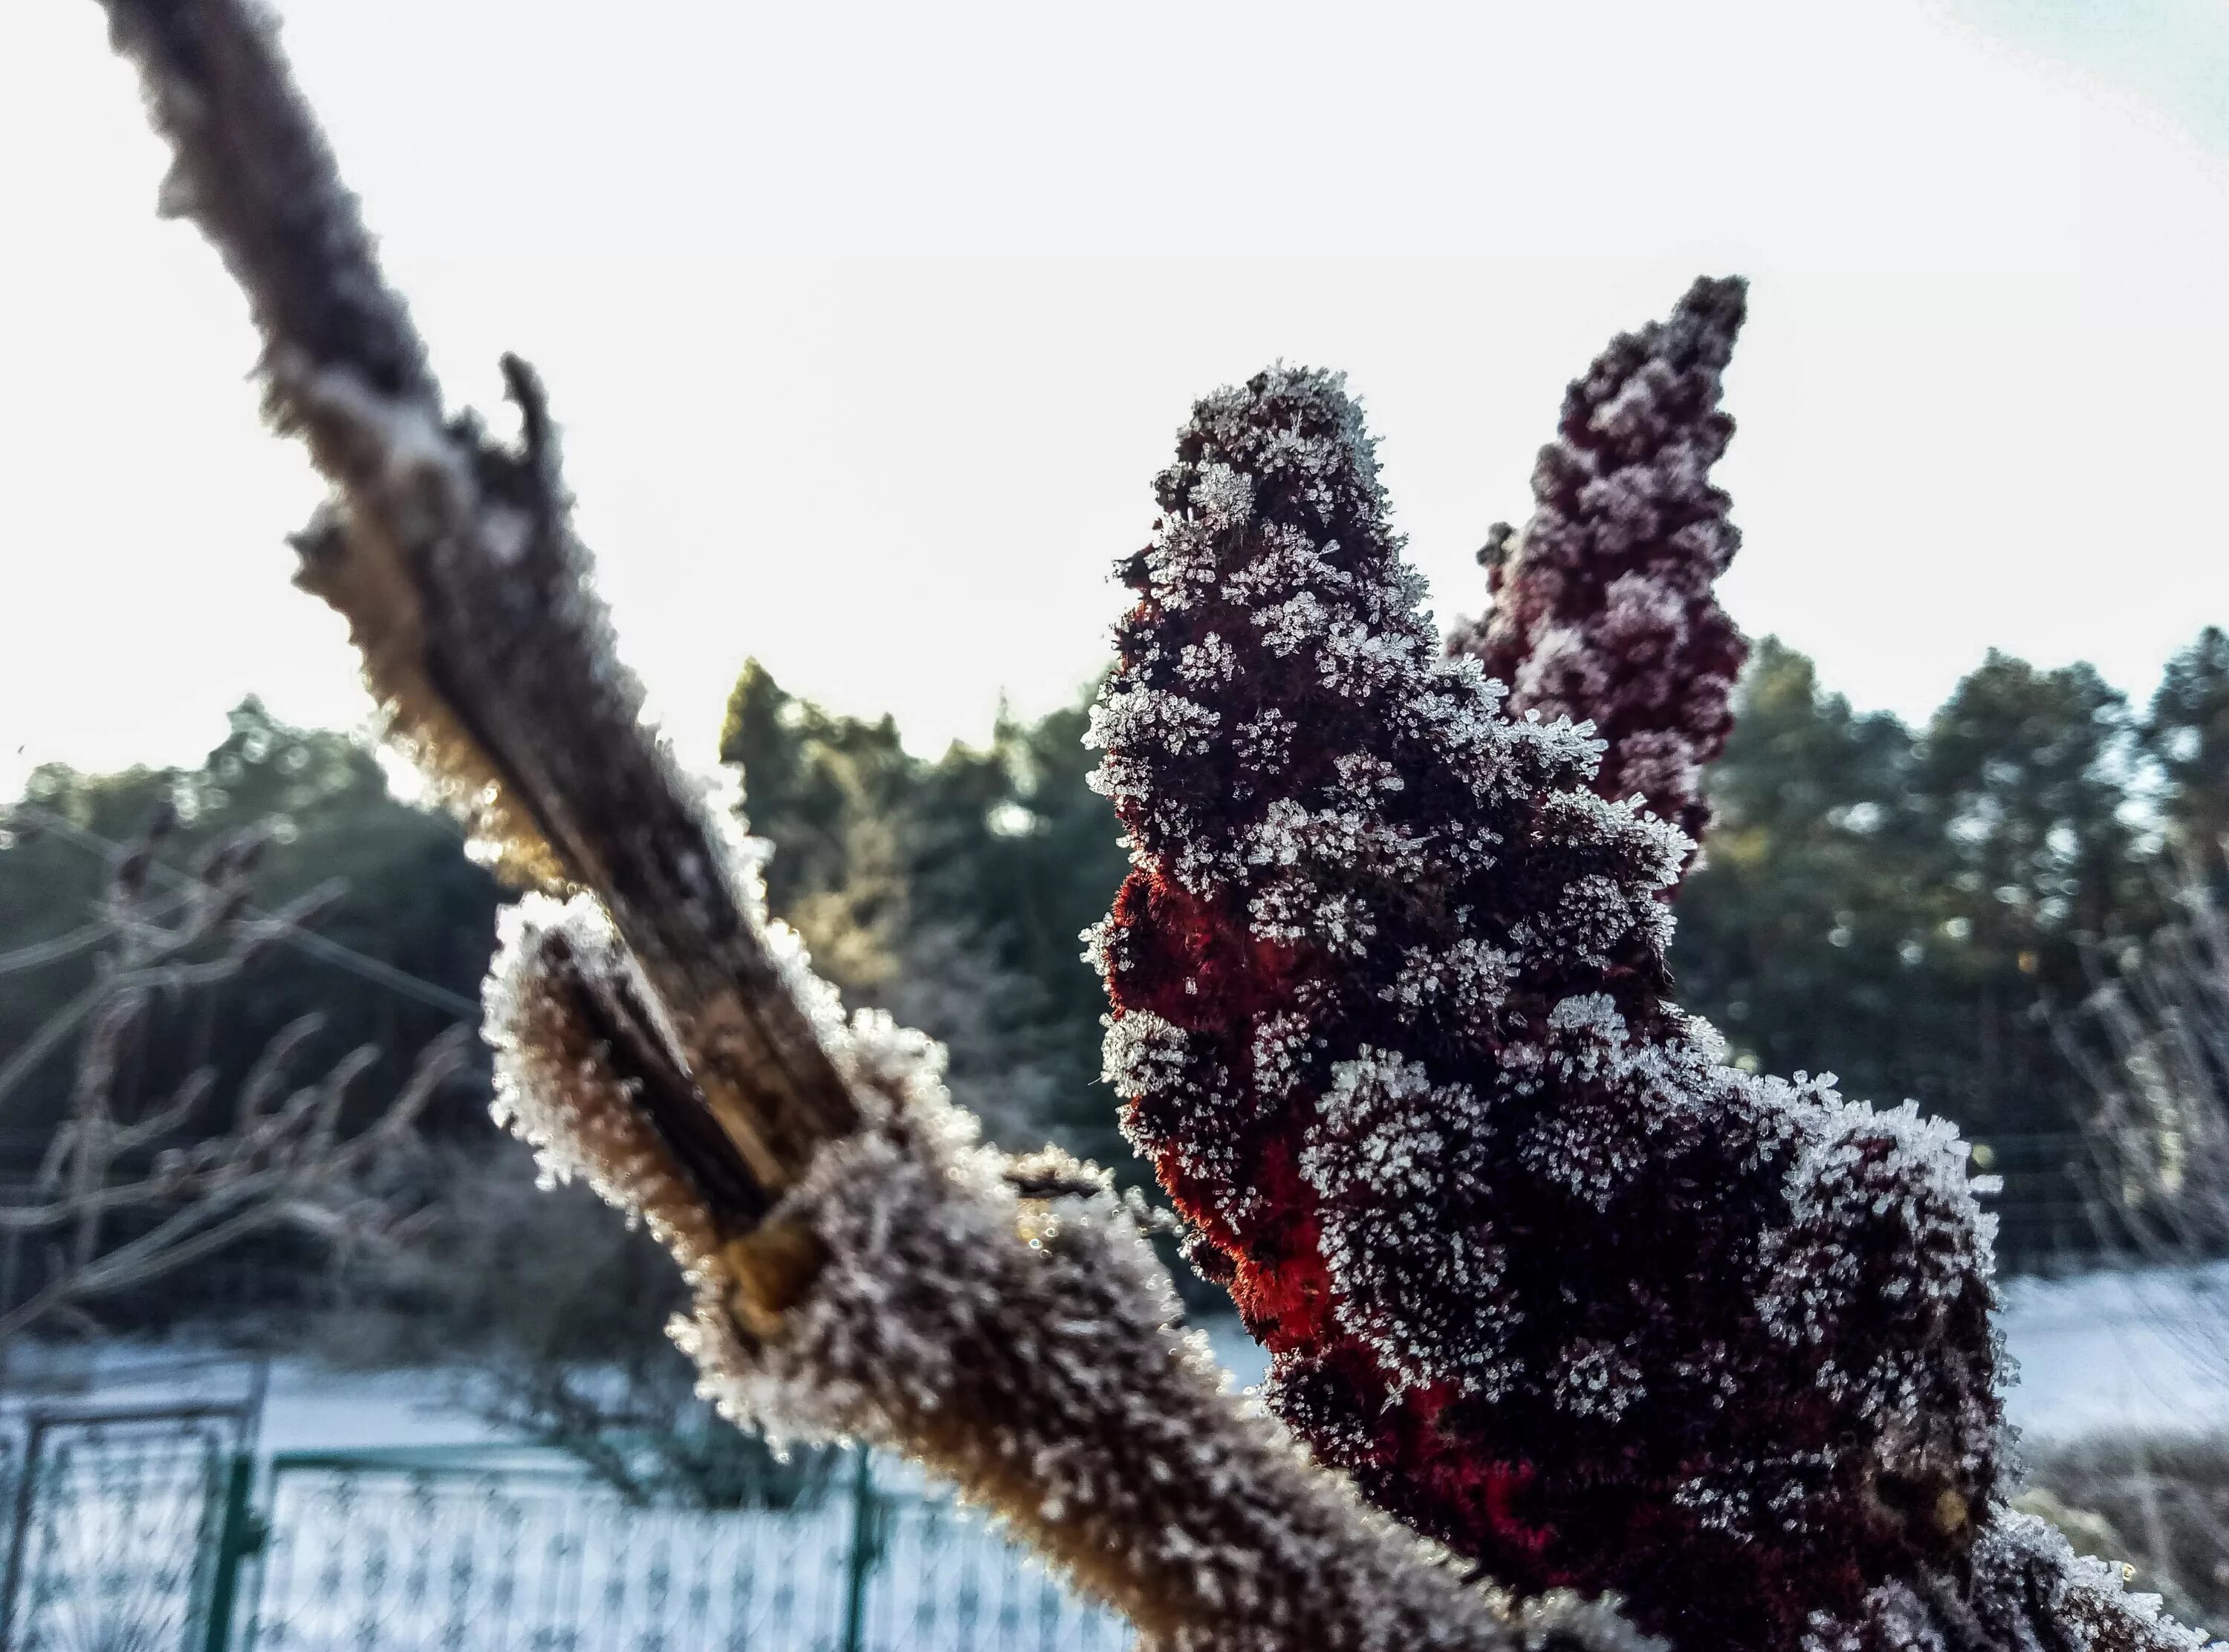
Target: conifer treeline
{"type": "Point", "coordinates": [1896, 902]}
{"type": "Point", "coordinates": [1893, 901]}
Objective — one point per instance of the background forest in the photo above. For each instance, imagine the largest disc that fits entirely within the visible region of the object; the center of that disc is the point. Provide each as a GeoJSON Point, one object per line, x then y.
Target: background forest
{"type": "Point", "coordinates": [1922, 908]}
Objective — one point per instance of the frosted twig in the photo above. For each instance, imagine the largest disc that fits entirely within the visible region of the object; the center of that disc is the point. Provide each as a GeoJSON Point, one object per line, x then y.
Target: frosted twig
{"type": "Point", "coordinates": [859, 1266]}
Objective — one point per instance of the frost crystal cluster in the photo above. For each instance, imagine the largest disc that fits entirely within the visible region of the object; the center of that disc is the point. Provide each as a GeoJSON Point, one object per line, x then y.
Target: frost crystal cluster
{"type": "Point", "coordinates": [1602, 607]}
{"type": "Point", "coordinates": [951, 1286]}
{"type": "Point", "coordinates": [1546, 1280]}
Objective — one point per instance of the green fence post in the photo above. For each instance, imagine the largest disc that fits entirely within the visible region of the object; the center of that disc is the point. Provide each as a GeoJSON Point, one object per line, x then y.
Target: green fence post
{"type": "Point", "coordinates": [866, 1551]}
{"type": "Point", "coordinates": [19, 1527]}
{"type": "Point", "coordinates": [239, 1535]}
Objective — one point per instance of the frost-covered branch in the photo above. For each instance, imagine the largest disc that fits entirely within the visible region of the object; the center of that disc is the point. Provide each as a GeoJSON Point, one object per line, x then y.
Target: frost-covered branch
{"type": "Point", "coordinates": [1550, 1283]}
{"type": "Point", "coordinates": [126, 1191]}
{"type": "Point", "coordinates": [1000, 1320]}
{"type": "Point", "coordinates": [860, 1266]}
{"type": "Point", "coordinates": [454, 561]}
{"type": "Point", "coordinates": [1602, 608]}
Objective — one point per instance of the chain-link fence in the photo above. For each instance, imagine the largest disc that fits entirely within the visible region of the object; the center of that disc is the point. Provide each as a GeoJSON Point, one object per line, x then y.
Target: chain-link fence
{"type": "Point", "coordinates": [159, 1531]}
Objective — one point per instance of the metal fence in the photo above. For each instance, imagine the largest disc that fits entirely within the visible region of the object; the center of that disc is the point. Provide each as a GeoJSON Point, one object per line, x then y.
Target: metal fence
{"type": "Point", "coordinates": [115, 1525]}
{"type": "Point", "coordinates": [160, 1531]}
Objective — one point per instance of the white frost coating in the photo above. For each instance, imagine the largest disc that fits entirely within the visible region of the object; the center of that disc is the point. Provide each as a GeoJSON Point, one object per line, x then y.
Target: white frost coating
{"type": "Point", "coordinates": [1265, 742]}
{"type": "Point", "coordinates": [552, 1090]}
{"type": "Point", "coordinates": [1601, 606]}
{"type": "Point", "coordinates": [1171, 722]}
{"type": "Point", "coordinates": [1224, 498]}
{"type": "Point", "coordinates": [1851, 1162]}
{"type": "Point", "coordinates": [1279, 1051]}
{"type": "Point", "coordinates": [945, 1295]}
{"type": "Point", "coordinates": [1208, 662]}
{"type": "Point", "coordinates": [1466, 980]}
{"type": "Point", "coordinates": [1030, 1348]}
{"type": "Point", "coordinates": [1386, 1154]}
{"type": "Point", "coordinates": [2016, 1561]}
{"type": "Point", "coordinates": [1428, 959]}
{"type": "Point", "coordinates": [1141, 1051]}
{"type": "Point", "coordinates": [1595, 1379]}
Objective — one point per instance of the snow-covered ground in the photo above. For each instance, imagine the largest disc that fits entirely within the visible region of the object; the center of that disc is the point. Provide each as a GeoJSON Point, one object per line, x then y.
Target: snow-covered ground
{"type": "Point", "coordinates": [2098, 1351]}
{"type": "Point", "coordinates": [2129, 1350]}
{"type": "Point", "coordinates": [499, 1551]}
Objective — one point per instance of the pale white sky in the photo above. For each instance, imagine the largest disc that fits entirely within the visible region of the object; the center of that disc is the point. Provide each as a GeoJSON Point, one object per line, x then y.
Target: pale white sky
{"type": "Point", "coordinates": [870, 324]}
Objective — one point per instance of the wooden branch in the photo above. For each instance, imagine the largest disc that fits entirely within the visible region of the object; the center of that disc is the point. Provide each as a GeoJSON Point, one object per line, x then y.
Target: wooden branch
{"type": "Point", "coordinates": [861, 1267]}
{"type": "Point", "coordinates": [454, 563]}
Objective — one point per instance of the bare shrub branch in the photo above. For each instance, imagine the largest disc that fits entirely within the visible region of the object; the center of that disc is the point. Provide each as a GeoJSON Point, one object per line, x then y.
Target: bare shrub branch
{"type": "Point", "coordinates": [860, 1267]}
{"type": "Point", "coordinates": [127, 1194]}
{"type": "Point", "coordinates": [2152, 1041]}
